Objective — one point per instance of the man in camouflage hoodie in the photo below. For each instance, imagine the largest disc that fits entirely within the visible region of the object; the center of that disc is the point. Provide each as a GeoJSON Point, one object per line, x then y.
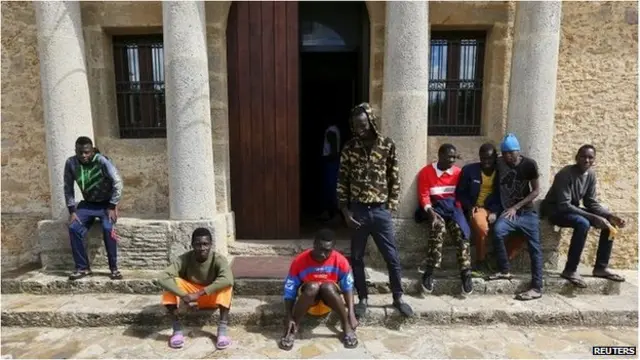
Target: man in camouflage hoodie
{"type": "Point", "coordinates": [101, 187]}
{"type": "Point", "coordinates": [368, 190]}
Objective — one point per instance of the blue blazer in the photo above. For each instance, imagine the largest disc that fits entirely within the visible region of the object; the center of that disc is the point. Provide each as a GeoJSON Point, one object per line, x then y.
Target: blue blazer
{"type": "Point", "coordinates": [468, 189]}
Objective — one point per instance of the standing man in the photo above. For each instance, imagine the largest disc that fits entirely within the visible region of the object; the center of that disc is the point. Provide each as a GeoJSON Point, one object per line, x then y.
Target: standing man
{"type": "Point", "coordinates": [331, 165]}
{"type": "Point", "coordinates": [101, 187]}
{"type": "Point", "coordinates": [437, 197]}
{"type": "Point", "coordinates": [368, 190]}
{"type": "Point", "coordinates": [562, 206]}
{"type": "Point", "coordinates": [480, 199]}
{"type": "Point", "coordinates": [519, 186]}
{"type": "Point", "coordinates": [198, 279]}
{"type": "Point", "coordinates": [316, 278]}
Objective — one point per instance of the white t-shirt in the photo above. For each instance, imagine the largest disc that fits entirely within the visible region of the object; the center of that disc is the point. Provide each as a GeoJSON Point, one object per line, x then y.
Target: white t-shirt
{"type": "Point", "coordinates": [326, 150]}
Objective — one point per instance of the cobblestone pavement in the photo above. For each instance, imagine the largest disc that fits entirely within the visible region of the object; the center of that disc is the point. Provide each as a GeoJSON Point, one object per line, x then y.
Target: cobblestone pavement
{"type": "Point", "coordinates": [499, 341]}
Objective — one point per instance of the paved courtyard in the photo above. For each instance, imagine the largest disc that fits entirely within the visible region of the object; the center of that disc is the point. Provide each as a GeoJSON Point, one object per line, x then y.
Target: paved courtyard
{"type": "Point", "coordinates": [499, 341]}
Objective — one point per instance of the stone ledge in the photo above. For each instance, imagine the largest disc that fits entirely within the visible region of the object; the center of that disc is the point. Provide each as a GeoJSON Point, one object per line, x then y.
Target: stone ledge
{"type": "Point", "coordinates": [446, 283]}
{"type": "Point", "coordinates": [95, 310]}
{"type": "Point", "coordinates": [144, 244]}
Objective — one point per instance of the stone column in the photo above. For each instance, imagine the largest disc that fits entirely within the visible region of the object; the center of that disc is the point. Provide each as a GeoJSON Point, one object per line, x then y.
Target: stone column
{"type": "Point", "coordinates": [65, 90]}
{"type": "Point", "coordinates": [191, 175]}
{"type": "Point", "coordinates": [405, 92]}
{"type": "Point", "coordinates": [532, 87]}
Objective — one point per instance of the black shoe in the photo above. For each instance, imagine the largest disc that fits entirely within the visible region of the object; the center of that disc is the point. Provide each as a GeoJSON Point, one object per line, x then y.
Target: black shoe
{"type": "Point", "coordinates": [79, 274]}
{"type": "Point", "coordinates": [115, 275]}
{"type": "Point", "coordinates": [467, 283]}
{"type": "Point", "coordinates": [361, 309]}
{"type": "Point", "coordinates": [404, 308]}
{"type": "Point", "coordinates": [427, 281]}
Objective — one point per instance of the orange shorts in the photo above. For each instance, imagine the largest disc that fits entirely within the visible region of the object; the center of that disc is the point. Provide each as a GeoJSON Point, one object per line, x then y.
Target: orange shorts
{"type": "Point", "coordinates": [220, 298]}
{"type": "Point", "coordinates": [319, 308]}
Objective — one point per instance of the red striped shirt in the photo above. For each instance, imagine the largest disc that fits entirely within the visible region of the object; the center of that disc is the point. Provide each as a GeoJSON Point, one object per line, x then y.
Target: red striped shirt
{"type": "Point", "coordinates": [435, 184]}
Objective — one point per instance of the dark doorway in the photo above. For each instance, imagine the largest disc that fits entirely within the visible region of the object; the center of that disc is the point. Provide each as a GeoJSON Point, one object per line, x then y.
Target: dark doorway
{"type": "Point", "coordinates": [334, 77]}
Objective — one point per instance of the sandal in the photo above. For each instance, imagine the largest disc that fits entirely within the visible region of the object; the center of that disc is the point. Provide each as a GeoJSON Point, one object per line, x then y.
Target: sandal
{"type": "Point", "coordinates": [79, 274]}
{"type": "Point", "coordinates": [575, 279]}
{"type": "Point", "coordinates": [350, 340]}
{"type": "Point", "coordinates": [286, 342]}
{"type": "Point", "coordinates": [116, 275]}
{"type": "Point", "coordinates": [606, 274]}
{"type": "Point", "coordinates": [500, 276]}
{"type": "Point", "coordinates": [531, 294]}
{"type": "Point", "coordinates": [176, 341]}
{"type": "Point", "coordinates": [223, 342]}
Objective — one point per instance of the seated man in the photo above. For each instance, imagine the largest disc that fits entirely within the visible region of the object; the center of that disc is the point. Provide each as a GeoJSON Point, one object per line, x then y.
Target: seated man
{"type": "Point", "coordinates": [519, 185]}
{"type": "Point", "coordinates": [199, 279]}
{"type": "Point", "coordinates": [480, 201]}
{"type": "Point", "coordinates": [436, 192]}
{"type": "Point", "coordinates": [562, 206]}
{"type": "Point", "coordinates": [313, 286]}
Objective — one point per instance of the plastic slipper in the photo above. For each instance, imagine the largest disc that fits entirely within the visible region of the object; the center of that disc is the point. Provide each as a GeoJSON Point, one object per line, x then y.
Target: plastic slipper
{"type": "Point", "coordinates": [176, 341]}
{"type": "Point", "coordinates": [500, 276]}
{"type": "Point", "coordinates": [609, 276]}
{"type": "Point", "coordinates": [530, 294]}
{"type": "Point", "coordinates": [350, 340]}
{"type": "Point", "coordinates": [576, 280]}
{"type": "Point", "coordinates": [223, 342]}
{"type": "Point", "coordinates": [286, 342]}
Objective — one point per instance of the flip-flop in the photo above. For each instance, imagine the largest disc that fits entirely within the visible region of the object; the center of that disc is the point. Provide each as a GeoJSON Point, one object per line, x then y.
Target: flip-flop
{"type": "Point", "coordinates": [176, 341]}
{"type": "Point", "coordinates": [576, 280]}
{"type": "Point", "coordinates": [286, 342]}
{"type": "Point", "coordinates": [500, 276]}
{"type": "Point", "coordinates": [609, 276]}
{"type": "Point", "coordinates": [530, 294]}
{"type": "Point", "coordinates": [350, 340]}
{"type": "Point", "coordinates": [223, 342]}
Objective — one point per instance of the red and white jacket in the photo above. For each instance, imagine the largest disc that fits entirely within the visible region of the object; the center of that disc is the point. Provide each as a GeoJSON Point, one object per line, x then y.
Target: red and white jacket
{"type": "Point", "coordinates": [435, 184]}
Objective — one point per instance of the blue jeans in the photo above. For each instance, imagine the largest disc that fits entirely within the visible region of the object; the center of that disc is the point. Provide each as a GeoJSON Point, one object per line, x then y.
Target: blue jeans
{"type": "Point", "coordinates": [87, 213]}
{"type": "Point", "coordinates": [581, 226]}
{"type": "Point", "coordinates": [527, 223]}
{"type": "Point", "coordinates": [375, 220]}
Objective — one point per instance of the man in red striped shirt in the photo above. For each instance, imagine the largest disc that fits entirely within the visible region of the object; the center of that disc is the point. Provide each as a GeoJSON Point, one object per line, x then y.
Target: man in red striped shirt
{"type": "Point", "coordinates": [436, 193]}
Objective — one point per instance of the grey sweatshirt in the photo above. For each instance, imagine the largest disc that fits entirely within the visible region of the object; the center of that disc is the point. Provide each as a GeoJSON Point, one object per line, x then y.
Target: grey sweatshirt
{"type": "Point", "coordinates": [99, 181]}
{"type": "Point", "coordinates": [570, 185]}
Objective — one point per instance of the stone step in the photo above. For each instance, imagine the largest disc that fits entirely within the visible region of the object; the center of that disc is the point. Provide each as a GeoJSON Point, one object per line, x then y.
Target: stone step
{"type": "Point", "coordinates": [40, 282]}
{"type": "Point", "coordinates": [95, 310]}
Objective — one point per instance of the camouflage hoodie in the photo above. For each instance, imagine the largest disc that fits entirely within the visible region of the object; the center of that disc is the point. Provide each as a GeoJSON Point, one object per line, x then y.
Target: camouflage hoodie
{"type": "Point", "coordinates": [369, 177]}
{"type": "Point", "coordinates": [99, 181]}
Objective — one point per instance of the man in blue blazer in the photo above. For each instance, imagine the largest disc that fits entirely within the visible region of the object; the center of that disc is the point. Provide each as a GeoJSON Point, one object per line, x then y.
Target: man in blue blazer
{"type": "Point", "coordinates": [478, 193]}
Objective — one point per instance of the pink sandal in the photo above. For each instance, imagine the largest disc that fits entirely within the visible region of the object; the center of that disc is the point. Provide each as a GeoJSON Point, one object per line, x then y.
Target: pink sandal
{"type": "Point", "coordinates": [223, 342]}
{"type": "Point", "coordinates": [176, 341]}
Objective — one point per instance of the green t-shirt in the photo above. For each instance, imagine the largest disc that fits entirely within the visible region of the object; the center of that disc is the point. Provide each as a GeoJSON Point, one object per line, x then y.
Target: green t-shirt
{"type": "Point", "coordinates": [214, 273]}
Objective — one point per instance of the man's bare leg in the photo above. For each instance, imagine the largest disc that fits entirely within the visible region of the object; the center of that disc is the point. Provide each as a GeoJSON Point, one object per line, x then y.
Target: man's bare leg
{"type": "Point", "coordinates": [307, 298]}
{"type": "Point", "coordinates": [331, 297]}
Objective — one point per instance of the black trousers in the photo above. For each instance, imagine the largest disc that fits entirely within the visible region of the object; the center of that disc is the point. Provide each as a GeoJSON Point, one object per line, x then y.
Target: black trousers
{"type": "Point", "coordinates": [375, 220]}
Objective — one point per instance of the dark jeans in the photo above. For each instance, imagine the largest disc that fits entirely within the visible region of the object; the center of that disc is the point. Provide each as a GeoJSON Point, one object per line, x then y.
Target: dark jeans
{"type": "Point", "coordinates": [375, 220]}
{"type": "Point", "coordinates": [527, 223]}
{"type": "Point", "coordinates": [581, 226]}
{"type": "Point", "coordinates": [87, 213]}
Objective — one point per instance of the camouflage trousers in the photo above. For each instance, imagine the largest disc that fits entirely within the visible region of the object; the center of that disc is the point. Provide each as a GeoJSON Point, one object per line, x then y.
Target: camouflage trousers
{"type": "Point", "coordinates": [437, 234]}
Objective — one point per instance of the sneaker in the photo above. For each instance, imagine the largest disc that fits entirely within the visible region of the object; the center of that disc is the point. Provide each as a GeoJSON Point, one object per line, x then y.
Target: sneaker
{"type": "Point", "coordinates": [427, 281]}
{"type": "Point", "coordinates": [467, 282]}
{"type": "Point", "coordinates": [360, 308]}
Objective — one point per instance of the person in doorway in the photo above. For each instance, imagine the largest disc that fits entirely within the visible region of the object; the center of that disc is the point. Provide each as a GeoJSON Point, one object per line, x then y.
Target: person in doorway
{"type": "Point", "coordinates": [519, 185]}
{"type": "Point", "coordinates": [198, 279]}
{"type": "Point", "coordinates": [572, 184]}
{"type": "Point", "coordinates": [368, 190]}
{"type": "Point", "coordinates": [479, 196]}
{"type": "Point", "coordinates": [331, 166]}
{"type": "Point", "coordinates": [101, 187]}
{"type": "Point", "coordinates": [316, 278]}
{"type": "Point", "coordinates": [436, 195]}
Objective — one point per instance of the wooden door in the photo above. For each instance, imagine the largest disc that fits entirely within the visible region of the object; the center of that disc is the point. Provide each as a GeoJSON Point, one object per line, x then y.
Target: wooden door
{"type": "Point", "coordinates": [262, 59]}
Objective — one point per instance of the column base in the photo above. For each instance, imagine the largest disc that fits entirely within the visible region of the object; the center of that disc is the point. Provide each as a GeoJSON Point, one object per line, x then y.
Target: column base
{"type": "Point", "coordinates": [144, 244]}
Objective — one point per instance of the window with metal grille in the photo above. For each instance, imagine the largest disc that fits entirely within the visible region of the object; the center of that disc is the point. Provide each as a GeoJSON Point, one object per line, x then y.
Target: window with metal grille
{"type": "Point", "coordinates": [455, 82]}
{"type": "Point", "coordinates": [139, 68]}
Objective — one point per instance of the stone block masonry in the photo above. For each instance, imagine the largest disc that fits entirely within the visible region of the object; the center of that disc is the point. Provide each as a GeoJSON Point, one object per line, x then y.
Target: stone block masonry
{"type": "Point", "coordinates": [144, 244]}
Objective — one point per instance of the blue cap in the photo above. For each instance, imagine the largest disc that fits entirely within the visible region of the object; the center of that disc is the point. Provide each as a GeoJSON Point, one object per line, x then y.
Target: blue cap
{"type": "Point", "coordinates": [510, 143]}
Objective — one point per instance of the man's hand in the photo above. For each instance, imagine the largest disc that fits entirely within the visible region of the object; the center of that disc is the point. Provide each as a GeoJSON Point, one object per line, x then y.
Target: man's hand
{"type": "Point", "coordinates": [290, 327]}
{"type": "Point", "coordinates": [113, 215]}
{"type": "Point", "coordinates": [617, 221]}
{"type": "Point", "coordinates": [599, 222]}
{"type": "Point", "coordinates": [73, 217]}
{"type": "Point", "coordinates": [433, 216]}
{"type": "Point", "coordinates": [192, 299]}
{"type": "Point", "coordinates": [351, 221]}
{"type": "Point", "coordinates": [491, 218]}
{"type": "Point", "coordinates": [510, 214]}
{"type": "Point", "coordinates": [353, 322]}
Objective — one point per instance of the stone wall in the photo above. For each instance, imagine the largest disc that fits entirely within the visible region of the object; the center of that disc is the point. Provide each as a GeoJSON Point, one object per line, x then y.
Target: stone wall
{"type": "Point", "coordinates": [597, 103]}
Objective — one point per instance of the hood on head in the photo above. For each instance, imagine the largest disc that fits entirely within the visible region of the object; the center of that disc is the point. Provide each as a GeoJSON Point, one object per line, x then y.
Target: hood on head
{"type": "Point", "coordinates": [370, 115]}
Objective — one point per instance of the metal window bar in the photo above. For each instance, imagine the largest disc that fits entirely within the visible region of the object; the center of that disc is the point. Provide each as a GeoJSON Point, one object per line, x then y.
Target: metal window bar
{"type": "Point", "coordinates": [139, 68]}
{"type": "Point", "coordinates": [455, 84]}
